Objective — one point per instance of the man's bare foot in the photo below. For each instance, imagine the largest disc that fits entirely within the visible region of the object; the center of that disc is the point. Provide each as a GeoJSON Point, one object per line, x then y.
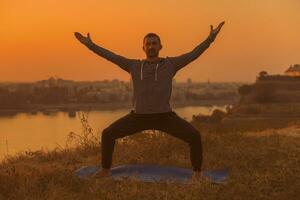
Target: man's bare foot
{"type": "Point", "coordinates": [101, 173]}
{"type": "Point", "coordinates": [197, 177]}
{"type": "Point", "coordinates": [196, 174]}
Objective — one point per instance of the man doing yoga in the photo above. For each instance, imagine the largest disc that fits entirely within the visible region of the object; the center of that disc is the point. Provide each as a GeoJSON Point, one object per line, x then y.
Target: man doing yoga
{"type": "Point", "coordinates": [152, 87]}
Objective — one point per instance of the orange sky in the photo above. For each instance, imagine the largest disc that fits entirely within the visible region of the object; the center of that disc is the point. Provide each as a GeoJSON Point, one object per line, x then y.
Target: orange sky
{"type": "Point", "coordinates": [37, 37]}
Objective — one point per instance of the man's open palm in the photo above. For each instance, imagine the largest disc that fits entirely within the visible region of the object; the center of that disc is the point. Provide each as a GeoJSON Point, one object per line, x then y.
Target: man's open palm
{"type": "Point", "coordinates": [84, 40]}
{"type": "Point", "coordinates": [214, 32]}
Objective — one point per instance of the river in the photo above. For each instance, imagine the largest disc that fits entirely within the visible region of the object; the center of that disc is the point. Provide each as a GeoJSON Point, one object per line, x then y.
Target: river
{"type": "Point", "coordinates": [26, 131]}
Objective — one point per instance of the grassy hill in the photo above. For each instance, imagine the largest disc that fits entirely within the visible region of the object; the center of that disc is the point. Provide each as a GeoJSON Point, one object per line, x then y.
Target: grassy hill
{"type": "Point", "coordinates": [263, 165]}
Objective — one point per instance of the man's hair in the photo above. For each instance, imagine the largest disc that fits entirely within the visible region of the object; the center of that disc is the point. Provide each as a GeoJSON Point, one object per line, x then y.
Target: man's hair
{"type": "Point", "coordinates": [152, 35]}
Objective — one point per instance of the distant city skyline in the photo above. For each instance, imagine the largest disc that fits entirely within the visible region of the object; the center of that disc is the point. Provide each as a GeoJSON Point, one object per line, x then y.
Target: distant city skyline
{"type": "Point", "coordinates": [113, 79]}
{"type": "Point", "coordinates": [37, 39]}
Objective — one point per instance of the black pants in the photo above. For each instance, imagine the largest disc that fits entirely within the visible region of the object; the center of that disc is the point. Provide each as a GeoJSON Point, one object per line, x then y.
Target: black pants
{"type": "Point", "coordinates": [168, 122]}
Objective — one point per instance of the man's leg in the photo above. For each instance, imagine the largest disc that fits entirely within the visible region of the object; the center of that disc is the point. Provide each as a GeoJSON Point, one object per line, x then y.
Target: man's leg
{"type": "Point", "coordinates": [180, 128]}
{"type": "Point", "coordinates": [124, 126]}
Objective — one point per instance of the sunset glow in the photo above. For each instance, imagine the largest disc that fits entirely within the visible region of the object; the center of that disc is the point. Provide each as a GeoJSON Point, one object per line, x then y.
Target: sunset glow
{"type": "Point", "coordinates": [37, 38]}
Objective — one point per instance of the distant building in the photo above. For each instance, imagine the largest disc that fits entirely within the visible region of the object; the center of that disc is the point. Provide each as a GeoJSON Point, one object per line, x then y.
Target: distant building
{"type": "Point", "coordinates": [189, 80]}
{"type": "Point", "coordinates": [293, 70]}
{"type": "Point", "coordinates": [52, 82]}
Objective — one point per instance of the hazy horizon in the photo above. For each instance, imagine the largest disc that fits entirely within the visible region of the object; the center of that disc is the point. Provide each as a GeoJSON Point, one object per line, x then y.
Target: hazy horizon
{"type": "Point", "coordinates": [193, 81]}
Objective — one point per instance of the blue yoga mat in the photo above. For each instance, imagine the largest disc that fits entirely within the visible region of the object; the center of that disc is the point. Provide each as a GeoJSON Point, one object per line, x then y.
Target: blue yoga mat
{"type": "Point", "coordinates": [154, 173]}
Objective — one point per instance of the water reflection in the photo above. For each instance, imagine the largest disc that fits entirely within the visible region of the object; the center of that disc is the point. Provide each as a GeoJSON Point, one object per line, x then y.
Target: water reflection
{"type": "Point", "coordinates": [38, 130]}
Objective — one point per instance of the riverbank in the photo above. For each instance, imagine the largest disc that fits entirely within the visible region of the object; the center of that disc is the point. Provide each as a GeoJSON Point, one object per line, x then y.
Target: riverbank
{"type": "Point", "coordinates": [33, 109]}
{"type": "Point", "coordinates": [263, 165]}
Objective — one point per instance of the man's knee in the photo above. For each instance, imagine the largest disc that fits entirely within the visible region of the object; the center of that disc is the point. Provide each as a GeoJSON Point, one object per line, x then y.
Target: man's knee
{"type": "Point", "coordinates": [106, 134]}
{"type": "Point", "coordinates": [195, 136]}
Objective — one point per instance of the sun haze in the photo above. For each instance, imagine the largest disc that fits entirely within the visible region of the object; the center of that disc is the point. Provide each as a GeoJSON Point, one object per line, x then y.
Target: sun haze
{"type": "Point", "coordinates": [37, 38]}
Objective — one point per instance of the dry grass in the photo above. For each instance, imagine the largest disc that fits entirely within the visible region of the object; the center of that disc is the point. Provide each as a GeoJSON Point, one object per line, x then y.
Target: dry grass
{"type": "Point", "coordinates": [264, 167]}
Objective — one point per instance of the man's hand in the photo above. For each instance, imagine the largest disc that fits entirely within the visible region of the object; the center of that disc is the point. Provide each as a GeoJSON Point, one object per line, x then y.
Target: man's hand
{"type": "Point", "coordinates": [214, 32]}
{"type": "Point", "coordinates": [84, 40]}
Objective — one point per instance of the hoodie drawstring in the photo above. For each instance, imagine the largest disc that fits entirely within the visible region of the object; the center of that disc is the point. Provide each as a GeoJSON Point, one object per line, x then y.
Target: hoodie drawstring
{"type": "Point", "coordinates": [155, 71]}
{"type": "Point", "coordinates": [142, 70]}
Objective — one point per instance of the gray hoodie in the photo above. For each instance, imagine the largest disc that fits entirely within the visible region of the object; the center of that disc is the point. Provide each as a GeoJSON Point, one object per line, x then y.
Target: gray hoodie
{"type": "Point", "coordinates": [152, 81]}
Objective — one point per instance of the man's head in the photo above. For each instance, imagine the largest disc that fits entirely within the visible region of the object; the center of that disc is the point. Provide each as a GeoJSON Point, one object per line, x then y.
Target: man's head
{"type": "Point", "coordinates": [152, 45]}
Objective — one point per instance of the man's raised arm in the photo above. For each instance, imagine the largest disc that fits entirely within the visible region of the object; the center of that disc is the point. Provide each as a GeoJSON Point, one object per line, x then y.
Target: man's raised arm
{"type": "Point", "coordinates": [119, 60]}
{"type": "Point", "coordinates": [184, 59]}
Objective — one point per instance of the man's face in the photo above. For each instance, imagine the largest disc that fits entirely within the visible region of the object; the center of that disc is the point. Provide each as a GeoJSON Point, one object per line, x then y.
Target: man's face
{"type": "Point", "coordinates": [152, 46]}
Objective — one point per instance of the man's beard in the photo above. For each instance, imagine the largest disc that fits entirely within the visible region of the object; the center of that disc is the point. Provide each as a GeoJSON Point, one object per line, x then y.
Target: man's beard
{"type": "Point", "coordinates": [152, 53]}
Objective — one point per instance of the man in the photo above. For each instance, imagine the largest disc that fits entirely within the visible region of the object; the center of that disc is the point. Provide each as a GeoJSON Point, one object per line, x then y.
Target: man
{"type": "Point", "coordinates": [152, 87]}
